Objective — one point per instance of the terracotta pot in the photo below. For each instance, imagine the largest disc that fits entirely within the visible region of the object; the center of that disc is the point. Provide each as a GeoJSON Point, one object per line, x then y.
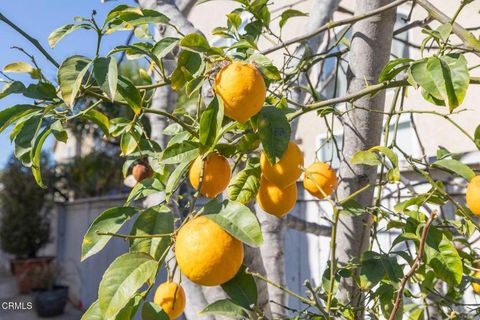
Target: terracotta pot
{"type": "Point", "coordinates": [25, 271]}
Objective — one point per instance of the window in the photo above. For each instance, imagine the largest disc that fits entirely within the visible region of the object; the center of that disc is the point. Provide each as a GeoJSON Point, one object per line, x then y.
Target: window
{"type": "Point", "coordinates": [406, 140]}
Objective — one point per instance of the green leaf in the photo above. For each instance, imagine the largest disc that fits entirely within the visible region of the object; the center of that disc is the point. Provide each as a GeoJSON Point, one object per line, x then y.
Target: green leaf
{"type": "Point", "coordinates": [225, 308]}
{"type": "Point", "coordinates": [60, 33]}
{"type": "Point", "coordinates": [145, 188]}
{"type": "Point", "coordinates": [128, 143]}
{"type": "Point", "coordinates": [18, 67]}
{"type": "Point", "coordinates": [111, 220]}
{"type": "Point", "coordinates": [180, 152]}
{"type": "Point", "coordinates": [366, 157]}
{"type": "Point", "coordinates": [59, 131]}
{"type": "Point", "coordinates": [242, 289]}
{"type": "Point", "coordinates": [152, 311]}
{"type": "Point", "coordinates": [10, 88]}
{"type": "Point", "coordinates": [24, 138]}
{"type": "Point", "coordinates": [391, 70]}
{"type": "Point", "coordinates": [290, 13]}
{"type": "Point", "coordinates": [457, 167]}
{"type": "Point", "coordinates": [444, 79]}
{"type": "Point", "coordinates": [442, 257]}
{"type": "Point", "coordinates": [12, 114]}
{"type": "Point", "coordinates": [130, 94]}
{"type": "Point", "coordinates": [36, 156]}
{"type": "Point", "coordinates": [106, 75]}
{"type": "Point", "coordinates": [450, 75]}
{"type": "Point", "coordinates": [194, 42]}
{"type": "Point", "coordinates": [93, 312]}
{"type": "Point", "coordinates": [126, 18]}
{"type": "Point", "coordinates": [122, 279]}
{"type": "Point", "coordinates": [274, 132]}
{"type": "Point", "coordinates": [70, 77]}
{"type": "Point", "coordinates": [175, 177]}
{"type": "Point", "coordinates": [371, 271]}
{"type": "Point", "coordinates": [244, 185]}
{"type": "Point", "coordinates": [164, 46]}
{"type": "Point", "coordinates": [128, 312]}
{"type": "Point", "coordinates": [211, 122]}
{"type": "Point", "coordinates": [40, 91]}
{"type": "Point", "coordinates": [388, 153]}
{"type": "Point", "coordinates": [476, 137]}
{"type": "Point", "coordinates": [99, 119]}
{"type": "Point", "coordinates": [190, 65]}
{"type": "Point", "coordinates": [236, 219]}
{"type": "Point", "coordinates": [155, 220]}
{"type": "Point", "coordinates": [353, 208]}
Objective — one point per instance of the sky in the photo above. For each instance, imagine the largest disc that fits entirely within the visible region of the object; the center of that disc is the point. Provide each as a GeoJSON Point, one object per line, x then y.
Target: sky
{"type": "Point", "coordinates": [39, 18]}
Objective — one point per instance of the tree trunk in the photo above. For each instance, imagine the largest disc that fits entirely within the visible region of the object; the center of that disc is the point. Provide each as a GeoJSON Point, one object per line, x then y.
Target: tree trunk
{"type": "Point", "coordinates": [273, 228]}
{"type": "Point", "coordinates": [370, 51]}
{"type": "Point", "coordinates": [273, 254]}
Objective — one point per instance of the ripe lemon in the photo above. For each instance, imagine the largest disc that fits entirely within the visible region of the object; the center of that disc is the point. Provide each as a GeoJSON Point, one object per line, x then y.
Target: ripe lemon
{"type": "Point", "coordinates": [476, 286]}
{"type": "Point", "coordinates": [206, 254]}
{"type": "Point", "coordinates": [171, 297]}
{"type": "Point", "coordinates": [275, 200]}
{"type": "Point", "coordinates": [473, 195]}
{"type": "Point", "coordinates": [242, 89]}
{"type": "Point", "coordinates": [216, 174]}
{"type": "Point", "coordinates": [286, 171]}
{"type": "Point", "coordinates": [320, 175]}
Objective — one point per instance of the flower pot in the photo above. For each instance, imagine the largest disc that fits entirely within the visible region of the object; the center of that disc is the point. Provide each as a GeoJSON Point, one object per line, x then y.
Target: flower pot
{"type": "Point", "coordinates": [24, 271]}
{"type": "Point", "coordinates": [51, 303]}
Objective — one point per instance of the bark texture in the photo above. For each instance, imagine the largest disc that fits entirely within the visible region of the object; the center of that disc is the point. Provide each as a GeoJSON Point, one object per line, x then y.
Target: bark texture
{"type": "Point", "coordinates": [370, 50]}
{"type": "Point", "coordinates": [273, 254]}
{"type": "Point", "coordinates": [273, 228]}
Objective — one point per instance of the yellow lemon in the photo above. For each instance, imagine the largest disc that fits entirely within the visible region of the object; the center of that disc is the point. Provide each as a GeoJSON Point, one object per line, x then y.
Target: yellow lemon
{"type": "Point", "coordinates": [206, 254]}
{"type": "Point", "coordinates": [275, 200]}
{"type": "Point", "coordinates": [242, 89]}
{"type": "Point", "coordinates": [286, 171]}
{"type": "Point", "coordinates": [216, 174]}
{"type": "Point", "coordinates": [473, 195]}
{"type": "Point", "coordinates": [171, 297]}
{"type": "Point", "coordinates": [320, 176]}
{"type": "Point", "coordinates": [476, 286]}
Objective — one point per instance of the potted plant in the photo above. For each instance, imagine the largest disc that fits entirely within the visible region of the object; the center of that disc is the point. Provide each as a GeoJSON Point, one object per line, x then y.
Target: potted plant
{"type": "Point", "coordinates": [50, 296]}
{"type": "Point", "coordinates": [24, 222]}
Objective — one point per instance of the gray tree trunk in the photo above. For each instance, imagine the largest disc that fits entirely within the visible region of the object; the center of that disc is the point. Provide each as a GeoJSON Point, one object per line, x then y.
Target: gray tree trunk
{"type": "Point", "coordinates": [273, 254]}
{"type": "Point", "coordinates": [273, 229]}
{"type": "Point", "coordinates": [370, 50]}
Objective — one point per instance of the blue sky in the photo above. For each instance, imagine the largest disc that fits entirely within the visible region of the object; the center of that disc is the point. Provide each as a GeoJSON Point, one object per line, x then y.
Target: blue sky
{"type": "Point", "coordinates": [38, 18]}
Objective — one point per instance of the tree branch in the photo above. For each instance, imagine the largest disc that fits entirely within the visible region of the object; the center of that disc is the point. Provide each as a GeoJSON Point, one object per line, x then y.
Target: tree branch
{"type": "Point", "coordinates": [371, 89]}
{"type": "Point", "coordinates": [31, 39]}
{"type": "Point", "coordinates": [334, 24]}
{"type": "Point", "coordinates": [416, 264]}
{"type": "Point", "coordinates": [301, 225]}
{"type": "Point", "coordinates": [467, 37]}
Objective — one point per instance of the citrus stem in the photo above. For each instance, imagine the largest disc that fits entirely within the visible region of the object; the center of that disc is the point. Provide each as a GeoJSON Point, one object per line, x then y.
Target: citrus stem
{"type": "Point", "coordinates": [128, 236]}
{"type": "Point", "coordinates": [276, 285]}
{"type": "Point", "coordinates": [333, 262]}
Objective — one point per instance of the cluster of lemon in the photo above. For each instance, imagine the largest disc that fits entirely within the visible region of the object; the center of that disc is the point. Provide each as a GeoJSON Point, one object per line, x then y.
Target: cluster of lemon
{"type": "Point", "coordinates": [207, 254]}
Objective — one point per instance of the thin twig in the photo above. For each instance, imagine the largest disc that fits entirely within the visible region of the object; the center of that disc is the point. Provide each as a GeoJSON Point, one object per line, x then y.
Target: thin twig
{"type": "Point", "coordinates": [29, 38]}
{"type": "Point", "coordinates": [333, 24]}
{"type": "Point", "coordinates": [416, 264]}
{"type": "Point", "coordinates": [128, 236]}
